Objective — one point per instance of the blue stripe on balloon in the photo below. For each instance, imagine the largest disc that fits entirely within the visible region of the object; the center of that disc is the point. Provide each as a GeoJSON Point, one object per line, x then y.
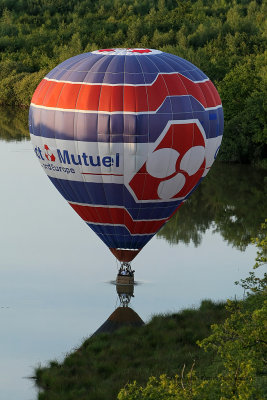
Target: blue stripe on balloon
{"type": "Point", "coordinates": [212, 116]}
{"type": "Point", "coordinates": [119, 237]}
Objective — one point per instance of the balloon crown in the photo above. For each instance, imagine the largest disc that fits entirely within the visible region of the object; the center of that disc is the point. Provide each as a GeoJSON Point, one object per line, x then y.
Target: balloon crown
{"type": "Point", "coordinates": [127, 51]}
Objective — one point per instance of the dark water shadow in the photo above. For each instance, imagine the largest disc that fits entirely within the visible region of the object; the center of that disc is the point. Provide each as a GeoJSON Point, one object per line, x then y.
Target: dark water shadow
{"type": "Point", "coordinates": [136, 283]}
{"type": "Point", "coordinates": [231, 201]}
{"type": "Point", "coordinates": [14, 124]}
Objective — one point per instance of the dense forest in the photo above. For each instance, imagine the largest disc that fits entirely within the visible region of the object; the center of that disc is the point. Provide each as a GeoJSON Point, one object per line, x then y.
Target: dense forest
{"type": "Point", "coordinates": [224, 38]}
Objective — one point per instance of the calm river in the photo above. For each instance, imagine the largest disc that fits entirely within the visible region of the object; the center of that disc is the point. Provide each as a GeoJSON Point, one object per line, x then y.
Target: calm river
{"type": "Point", "coordinates": [55, 273]}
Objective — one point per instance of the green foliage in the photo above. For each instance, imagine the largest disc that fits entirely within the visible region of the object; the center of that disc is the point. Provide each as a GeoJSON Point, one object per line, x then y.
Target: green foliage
{"type": "Point", "coordinates": [240, 343]}
{"type": "Point", "coordinates": [243, 93]}
{"type": "Point", "coordinates": [14, 124]}
{"type": "Point", "coordinates": [226, 39]}
{"type": "Point", "coordinates": [164, 388]}
{"type": "Point", "coordinates": [261, 243]}
{"type": "Point", "coordinates": [235, 210]}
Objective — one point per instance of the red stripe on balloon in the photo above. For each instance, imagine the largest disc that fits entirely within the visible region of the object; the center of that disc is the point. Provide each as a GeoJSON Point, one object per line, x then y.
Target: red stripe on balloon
{"type": "Point", "coordinates": [123, 98]}
{"type": "Point", "coordinates": [117, 216]}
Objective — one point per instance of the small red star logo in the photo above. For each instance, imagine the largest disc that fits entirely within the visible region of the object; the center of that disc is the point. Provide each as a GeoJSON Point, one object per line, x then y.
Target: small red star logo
{"type": "Point", "coordinates": [48, 154]}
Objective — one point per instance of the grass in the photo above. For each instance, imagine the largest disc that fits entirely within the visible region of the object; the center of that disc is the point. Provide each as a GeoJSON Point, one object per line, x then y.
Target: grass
{"type": "Point", "coordinates": [105, 363]}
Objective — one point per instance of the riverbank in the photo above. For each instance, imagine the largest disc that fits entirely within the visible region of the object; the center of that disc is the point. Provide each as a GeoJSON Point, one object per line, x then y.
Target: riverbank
{"type": "Point", "coordinates": [234, 361]}
{"type": "Point", "coordinates": [106, 362]}
{"type": "Point", "coordinates": [233, 335]}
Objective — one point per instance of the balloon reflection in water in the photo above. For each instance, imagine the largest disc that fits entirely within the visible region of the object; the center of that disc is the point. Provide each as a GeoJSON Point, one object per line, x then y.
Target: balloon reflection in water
{"type": "Point", "coordinates": [123, 315]}
{"type": "Point", "coordinates": [126, 135]}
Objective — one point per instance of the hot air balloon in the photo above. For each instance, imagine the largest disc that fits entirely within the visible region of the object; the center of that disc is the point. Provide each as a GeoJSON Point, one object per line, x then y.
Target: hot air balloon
{"type": "Point", "coordinates": [126, 135]}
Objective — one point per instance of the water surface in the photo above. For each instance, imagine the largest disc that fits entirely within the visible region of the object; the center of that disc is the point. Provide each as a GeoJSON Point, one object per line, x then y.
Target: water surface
{"type": "Point", "coordinates": [55, 272]}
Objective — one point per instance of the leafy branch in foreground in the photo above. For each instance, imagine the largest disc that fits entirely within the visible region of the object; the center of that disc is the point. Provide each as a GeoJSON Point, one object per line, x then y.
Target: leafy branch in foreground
{"type": "Point", "coordinates": [163, 388]}
{"type": "Point", "coordinates": [240, 343]}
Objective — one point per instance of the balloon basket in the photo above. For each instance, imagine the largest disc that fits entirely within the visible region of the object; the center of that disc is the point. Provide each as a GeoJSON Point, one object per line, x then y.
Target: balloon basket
{"type": "Point", "coordinates": [124, 280]}
{"type": "Point", "coordinates": [125, 275]}
{"type": "Point", "coordinates": [125, 284]}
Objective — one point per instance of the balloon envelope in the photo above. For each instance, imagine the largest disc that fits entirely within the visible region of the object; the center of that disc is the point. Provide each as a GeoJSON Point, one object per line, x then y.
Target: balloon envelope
{"type": "Point", "coordinates": [126, 135]}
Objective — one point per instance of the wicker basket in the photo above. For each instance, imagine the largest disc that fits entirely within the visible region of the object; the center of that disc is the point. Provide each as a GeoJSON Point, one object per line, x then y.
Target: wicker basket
{"type": "Point", "coordinates": [124, 280]}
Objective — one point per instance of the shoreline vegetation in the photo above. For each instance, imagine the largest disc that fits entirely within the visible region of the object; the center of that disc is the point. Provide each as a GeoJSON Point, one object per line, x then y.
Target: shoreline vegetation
{"type": "Point", "coordinates": [104, 363]}
{"type": "Point", "coordinates": [217, 351]}
{"type": "Point", "coordinates": [226, 39]}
